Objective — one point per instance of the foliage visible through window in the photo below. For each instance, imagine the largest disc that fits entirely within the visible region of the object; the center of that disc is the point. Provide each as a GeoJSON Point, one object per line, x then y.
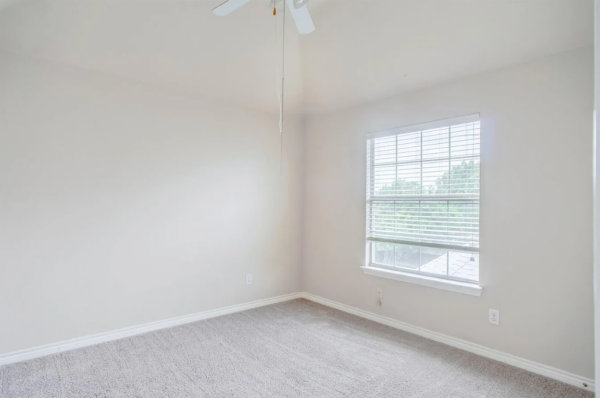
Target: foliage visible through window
{"type": "Point", "coordinates": [423, 199]}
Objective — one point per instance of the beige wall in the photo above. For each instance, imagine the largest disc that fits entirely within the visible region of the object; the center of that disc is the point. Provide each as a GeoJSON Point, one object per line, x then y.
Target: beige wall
{"type": "Point", "coordinates": [123, 204]}
{"type": "Point", "coordinates": [536, 211]}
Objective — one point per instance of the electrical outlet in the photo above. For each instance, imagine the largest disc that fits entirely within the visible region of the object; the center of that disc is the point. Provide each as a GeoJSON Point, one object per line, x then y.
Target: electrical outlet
{"type": "Point", "coordinates": [379, 295]}
{"type": "Point", "coordinates": [494, 317]}
{"type": "Point", "coordinates": [248, 279]}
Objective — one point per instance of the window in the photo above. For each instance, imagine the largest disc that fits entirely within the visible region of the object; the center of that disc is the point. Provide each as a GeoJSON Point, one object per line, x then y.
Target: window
{"type": "Point", "coordinates": [423, 199]}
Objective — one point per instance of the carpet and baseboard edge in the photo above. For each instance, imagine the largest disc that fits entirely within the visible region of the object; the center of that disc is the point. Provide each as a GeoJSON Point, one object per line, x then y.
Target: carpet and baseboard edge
{"type": "Point", "coordinates": [534, 367]}
{"type": "Point", "coordinates": [522, 363]}
{"type": "Point", "coordinates": [41, 351]}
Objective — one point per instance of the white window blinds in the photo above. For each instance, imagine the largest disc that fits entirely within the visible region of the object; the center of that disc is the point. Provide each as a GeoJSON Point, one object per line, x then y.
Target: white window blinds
{"type": "Point", "coordinates": [423, 198]}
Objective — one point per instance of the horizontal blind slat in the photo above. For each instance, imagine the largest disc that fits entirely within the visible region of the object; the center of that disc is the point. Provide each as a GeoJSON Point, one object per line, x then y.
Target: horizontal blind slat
{"type": "Point", "coordinates": [431, 178]}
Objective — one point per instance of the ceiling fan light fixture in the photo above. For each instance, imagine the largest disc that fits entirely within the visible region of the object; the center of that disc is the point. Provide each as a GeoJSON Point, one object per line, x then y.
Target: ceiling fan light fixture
{"type": "Point", "coordinates": [299, 3]}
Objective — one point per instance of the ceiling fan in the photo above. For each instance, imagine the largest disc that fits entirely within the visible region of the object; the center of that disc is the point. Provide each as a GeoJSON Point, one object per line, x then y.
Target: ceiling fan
{"type": "Point", "coordinates": [298, 9]}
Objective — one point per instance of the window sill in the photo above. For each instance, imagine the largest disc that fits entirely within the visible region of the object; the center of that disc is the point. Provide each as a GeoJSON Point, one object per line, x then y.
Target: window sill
{"type": "Point", "coordinates": [444, 284]}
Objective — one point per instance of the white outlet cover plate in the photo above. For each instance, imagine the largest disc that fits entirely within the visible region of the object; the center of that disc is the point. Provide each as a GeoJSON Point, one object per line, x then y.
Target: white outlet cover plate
{"type": "Point", "coordinates": [248, 279]}
{"type": "Point", "coordinates": [494, 317]}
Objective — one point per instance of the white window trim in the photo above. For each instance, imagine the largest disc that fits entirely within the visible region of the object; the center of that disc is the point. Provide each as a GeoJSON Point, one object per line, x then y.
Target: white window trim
{"type": "Point", "coordinates": [423, 280]}
{"type": "Point", "coordinates": [425, 126]}
{"type": "Point", "coordinates": [468, 288]}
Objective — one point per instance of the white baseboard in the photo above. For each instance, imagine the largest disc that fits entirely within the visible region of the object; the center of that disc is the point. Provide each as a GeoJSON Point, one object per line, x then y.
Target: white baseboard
{"type": "Point", "coordinates": [86, 341]}
{"type": "Point", "coordinates": [534, 367]}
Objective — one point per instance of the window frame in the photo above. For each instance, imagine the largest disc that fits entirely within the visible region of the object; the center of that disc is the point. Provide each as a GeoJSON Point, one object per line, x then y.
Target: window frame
{"type": "Point", "coordinates": [463, 285]}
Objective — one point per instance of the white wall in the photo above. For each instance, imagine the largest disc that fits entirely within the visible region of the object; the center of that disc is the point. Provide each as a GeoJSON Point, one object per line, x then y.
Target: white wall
{"type": "Point", "coordinates": [536, 207]}
{"type": "Point", "coordinates": [122, 204]}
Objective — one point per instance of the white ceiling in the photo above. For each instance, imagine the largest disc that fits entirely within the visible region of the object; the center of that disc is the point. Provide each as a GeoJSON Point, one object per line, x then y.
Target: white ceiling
{"type": "Point", "coordinates": [368, 50]}
{"type": "Point", "coordinates": [362, 50]}
{"type": "Point", "coordinates": [173, 43]}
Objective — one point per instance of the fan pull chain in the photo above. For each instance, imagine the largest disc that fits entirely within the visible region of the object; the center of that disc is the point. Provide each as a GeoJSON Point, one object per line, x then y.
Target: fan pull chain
{"type": "Point", "coordinates": [279, 90]}
{"type": "Point", "coordinates": [281, 103]}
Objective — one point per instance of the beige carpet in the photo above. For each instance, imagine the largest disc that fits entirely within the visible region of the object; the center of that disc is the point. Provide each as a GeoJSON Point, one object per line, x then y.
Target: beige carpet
{"type": "Point", "coordinates": [293, 349]}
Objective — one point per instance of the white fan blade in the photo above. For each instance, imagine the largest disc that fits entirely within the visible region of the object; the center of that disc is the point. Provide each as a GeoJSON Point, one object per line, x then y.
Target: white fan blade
{"type": "Point", "coordinates": [302, 18]}
{"type": "Point", "coordinates": [228, 7]}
